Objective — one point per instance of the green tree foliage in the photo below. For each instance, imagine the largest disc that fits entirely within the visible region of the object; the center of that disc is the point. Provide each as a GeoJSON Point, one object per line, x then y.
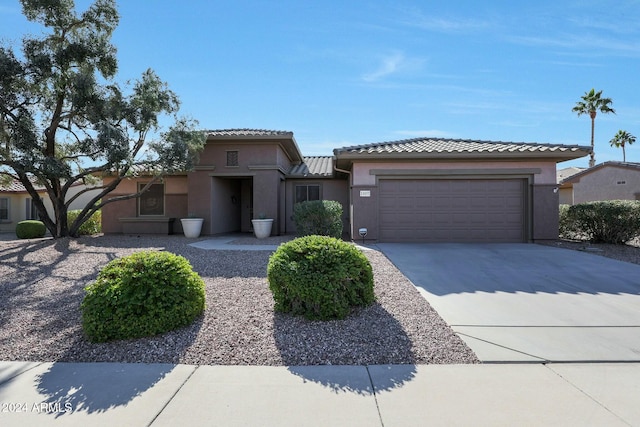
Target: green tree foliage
{"type": "Point", "coordinates": [622, 139]}
{"type": "Point", "coordinates": [64, 120]}
{"type": "Point", "coordinates": [590, 103]}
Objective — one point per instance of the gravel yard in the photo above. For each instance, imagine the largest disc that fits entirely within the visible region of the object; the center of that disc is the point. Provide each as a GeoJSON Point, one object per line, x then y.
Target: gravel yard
{"type": "Point", "coordinates": [42, 284]}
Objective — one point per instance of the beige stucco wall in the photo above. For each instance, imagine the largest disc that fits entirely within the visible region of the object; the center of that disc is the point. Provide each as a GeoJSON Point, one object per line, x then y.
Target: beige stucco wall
{"type": "Point", "coordinates": [602, 184]}
{"type": "Point", "coordinates": [362, 175]}
{"type": "Point", "coordinates": [17, 211]}
{"type": "Point", "coordinates": [18, 205]}
{"type": "Point", "coordinates": [331, 189]}
{"type": "Point", "coordinates": [175, 204]}
{"type": "Point", "coordinates": [541, 199]}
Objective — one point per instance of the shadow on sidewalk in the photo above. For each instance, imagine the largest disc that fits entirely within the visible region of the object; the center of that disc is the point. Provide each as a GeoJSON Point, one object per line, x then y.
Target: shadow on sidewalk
{"type": "Point", "coordinates": [369, 336]}
{"type": "Point", "coordinates": [97, 387]}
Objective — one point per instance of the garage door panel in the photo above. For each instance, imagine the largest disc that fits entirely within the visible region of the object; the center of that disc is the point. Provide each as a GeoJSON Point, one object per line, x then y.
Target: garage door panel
{"type": "Point", "coordinates": [452, 210]}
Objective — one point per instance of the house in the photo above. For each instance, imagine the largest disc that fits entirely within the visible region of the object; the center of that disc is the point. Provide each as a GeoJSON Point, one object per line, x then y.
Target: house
{"type": "Point", "coordinates": [606, 181]}
{"type": "Point", "coordinates": [16, 204]}
{"type": "Point", "coordinates": [566, 191]}
{"type": "Point", "coordinates": [425, 189]}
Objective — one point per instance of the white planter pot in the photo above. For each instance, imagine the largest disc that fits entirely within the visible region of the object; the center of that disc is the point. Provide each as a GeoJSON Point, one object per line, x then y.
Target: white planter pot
{"type": "Point", "coordinates": [192, 226]}
{"type": "Point", "coordinates": [262, 227]}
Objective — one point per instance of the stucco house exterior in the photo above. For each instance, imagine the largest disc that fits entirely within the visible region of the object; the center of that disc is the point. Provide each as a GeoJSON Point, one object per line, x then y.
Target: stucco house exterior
{"type": "Point", "coordinates": [566, 191]}
{"type": "Point", "coordinates": [424, 189]}
{"type": "Point", "coordinates": [16, 204]}
{"type": "Point", "coordinates": [606, 181]}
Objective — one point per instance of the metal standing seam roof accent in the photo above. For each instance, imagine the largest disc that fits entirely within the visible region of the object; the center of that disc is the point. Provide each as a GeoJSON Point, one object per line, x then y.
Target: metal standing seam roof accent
{"type": "Point", "coordinates": [313, 166]}
{"type": "Point", "coordinates": [445, 145]}
{"type": "Point", "coordinates": [247, 132]}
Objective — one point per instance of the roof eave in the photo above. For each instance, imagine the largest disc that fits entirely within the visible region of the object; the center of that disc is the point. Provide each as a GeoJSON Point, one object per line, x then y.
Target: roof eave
{"type": "Point", "coordinates": [558, 156]}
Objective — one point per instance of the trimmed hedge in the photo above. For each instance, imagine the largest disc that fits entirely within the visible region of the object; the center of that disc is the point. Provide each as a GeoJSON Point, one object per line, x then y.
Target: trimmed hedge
{"type": "Point", "coordinates": [140, 295]}
{"type": "Point", "coordinates": [319, 277]}
{"type": "Point", "coordinates": [318, 217]}
{"type": "Point", "coordinates": [91, 226]}
{"type": "Point", "coordinates": [30, 229]}
{"type": "Point", "coordinates": [610, 221]}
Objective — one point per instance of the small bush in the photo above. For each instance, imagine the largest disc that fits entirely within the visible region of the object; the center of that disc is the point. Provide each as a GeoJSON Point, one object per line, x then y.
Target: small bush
{"type": "Point", "coordinates": [93, 225]}
{"type": "Point", "coordinates": [319, 277]}
{"type": "Point", "coordinates": [567, 226]}
{"type": "Point", "coordinates": [30, 229]}
{"type": "Point", "coordinates": [611, 221]}
{"type": "Point", "coordinates": [318, 217]}
{"type": "Point", "coordinates": [143, 294]}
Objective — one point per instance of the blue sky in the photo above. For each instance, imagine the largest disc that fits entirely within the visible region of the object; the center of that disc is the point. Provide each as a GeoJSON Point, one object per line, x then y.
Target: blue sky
{"type": "Point", "coordinates": [342, 73]}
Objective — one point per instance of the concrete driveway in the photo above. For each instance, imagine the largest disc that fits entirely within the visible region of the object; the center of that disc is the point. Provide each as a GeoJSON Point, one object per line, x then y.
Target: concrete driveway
{"type": "Point", "coordinates": [527, 302]}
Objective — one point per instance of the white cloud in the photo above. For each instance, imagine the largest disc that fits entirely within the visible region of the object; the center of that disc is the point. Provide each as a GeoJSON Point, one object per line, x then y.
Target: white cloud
{"type": "Point", "coordinates": [390, 64]}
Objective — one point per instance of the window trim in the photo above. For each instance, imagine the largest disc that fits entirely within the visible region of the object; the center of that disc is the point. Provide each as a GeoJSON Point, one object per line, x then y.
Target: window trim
{"type": "Point", "coordinates": [8, 208]}
{"type": "Point", "coordinates": [140, 199]}
{"type": "Point", "coordinates": [306, 184]}
{"type": "Point", "coordinates": [236, 160]}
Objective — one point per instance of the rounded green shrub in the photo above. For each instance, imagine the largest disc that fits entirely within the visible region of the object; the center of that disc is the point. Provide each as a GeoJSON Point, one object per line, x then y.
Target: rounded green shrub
{"type": "Point", "coordinates": [93, 225]}
{"type": "Point", "coordinates": [30, 229]}
{"type": "Point", "coordinates": [143, 294]}
{"type": "Point", "coordinates": [609, 221]}
{"type": "Point", "coordinates": [319, 217]}
{"type": "Point", "coordinates": [319, 277]}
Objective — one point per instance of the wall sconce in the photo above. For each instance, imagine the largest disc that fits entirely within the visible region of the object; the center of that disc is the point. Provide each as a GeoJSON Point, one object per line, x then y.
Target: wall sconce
{"type": "Point", "coordinates": [555, 190]}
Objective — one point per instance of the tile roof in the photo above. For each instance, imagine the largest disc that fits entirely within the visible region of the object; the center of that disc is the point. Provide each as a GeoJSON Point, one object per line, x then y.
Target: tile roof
{"type": "Point", "coordinates": [247, 132]}
{"type": "Point", "coordinates": [576, 177]}
{"type": "Point", "coordinates": [562, 174]}
{"type": "Point", "coordinates": [16, 186]}
{"type": "Point", "coordinates": [457, 146]}
{"type": "Point", "coordinates": [314, 166]}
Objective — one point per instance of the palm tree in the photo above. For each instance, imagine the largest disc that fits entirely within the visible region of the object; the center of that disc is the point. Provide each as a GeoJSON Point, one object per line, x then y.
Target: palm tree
{"type": "Point", "coordinates": [621, 139]}
{"type": "Point", "coordinates": [591, 103]}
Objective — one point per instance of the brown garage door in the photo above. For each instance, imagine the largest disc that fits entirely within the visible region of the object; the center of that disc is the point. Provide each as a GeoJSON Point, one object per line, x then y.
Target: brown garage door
{"type": "Point", "coordinates": [456, 210]}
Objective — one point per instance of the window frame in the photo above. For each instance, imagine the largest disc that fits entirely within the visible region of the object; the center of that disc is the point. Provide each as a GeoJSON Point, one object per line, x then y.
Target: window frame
{"type": "Point", "coordinates": [307, 185]}
{"type": "Point", "coordinates": [8, 209]}
{"type": "Point", "coordinates": [141, 199]}
{"type": "Point", "coordinates": [234, 156]}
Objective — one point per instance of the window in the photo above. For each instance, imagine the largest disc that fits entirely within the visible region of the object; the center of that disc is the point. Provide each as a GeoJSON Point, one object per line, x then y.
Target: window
{"type": "Point", "coordinates": [151, 202]}
{"type": "Point", "coordinates": [232, 158]}
{"type": "Point", "coordinates": [4, 209]}
{"type": "Point", "coordinates": [31, 210]}
{"type": "Point", "coordinates": [307, 192]}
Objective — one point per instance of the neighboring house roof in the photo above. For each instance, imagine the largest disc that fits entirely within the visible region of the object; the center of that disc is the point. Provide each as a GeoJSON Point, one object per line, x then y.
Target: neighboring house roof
{"type": "Point", "coordinates": [460, 149]}
{"type": "Point", "coordinates": [17, 187]}
{"type": "Point", "coordinates": [313, 167]}
{"type": "Point", "coordinates": [562, 174]}
{"type": "Point", "coordinates": [246, 132]}
{"type": "Point", "coordinates": [286, 139]}
{"type": "Point", "coordinates": [624, 165]}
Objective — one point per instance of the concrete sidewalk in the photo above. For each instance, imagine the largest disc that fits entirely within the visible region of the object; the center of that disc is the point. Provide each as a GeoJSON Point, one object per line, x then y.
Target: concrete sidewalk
{"type": "Point", "coordinates": [111, 394]}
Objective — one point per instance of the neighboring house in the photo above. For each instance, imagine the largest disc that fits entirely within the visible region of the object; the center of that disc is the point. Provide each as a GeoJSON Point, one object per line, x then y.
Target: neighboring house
{"type": "Point", "coordinates": [427, 190]}
{"type": "Point", "coordinates": [566, 191]}
{"type": "Point", "coordinates": [605, 181]}
{"type": "Point", "coordinates": [16, 204]}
